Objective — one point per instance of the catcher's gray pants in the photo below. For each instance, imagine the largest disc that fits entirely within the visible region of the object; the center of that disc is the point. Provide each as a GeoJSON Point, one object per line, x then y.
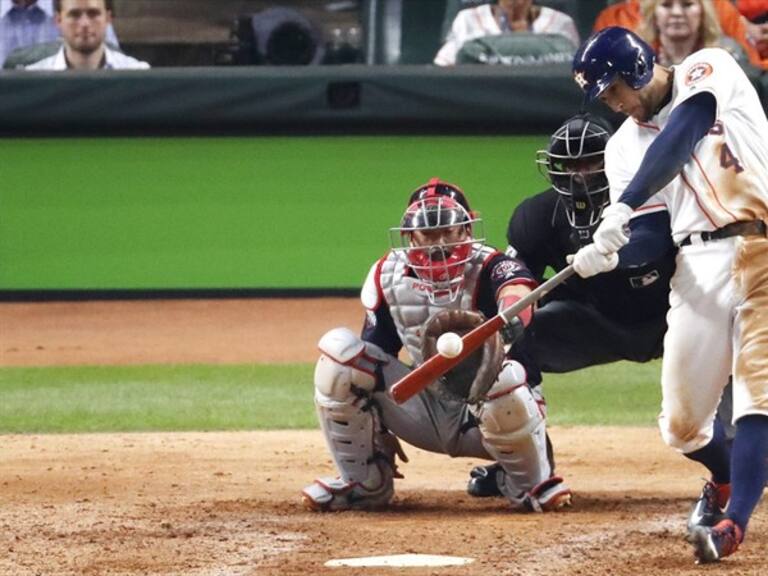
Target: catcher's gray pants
{"type": "Point", "coordinates": [428, 420]}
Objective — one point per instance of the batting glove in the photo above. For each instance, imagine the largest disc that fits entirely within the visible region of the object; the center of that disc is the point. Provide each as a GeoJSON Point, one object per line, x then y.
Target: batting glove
{"type": "Point", "coordinates": [613, 232]}
{"type": "Point", "coordinates": [589, 261]}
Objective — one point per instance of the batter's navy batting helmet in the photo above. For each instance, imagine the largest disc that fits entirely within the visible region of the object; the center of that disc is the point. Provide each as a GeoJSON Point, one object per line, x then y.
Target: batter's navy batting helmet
{"type": "Point", "coordinates": [609, 54]}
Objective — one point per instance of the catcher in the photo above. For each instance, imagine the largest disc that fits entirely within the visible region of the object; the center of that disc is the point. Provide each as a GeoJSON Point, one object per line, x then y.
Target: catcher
{"type": "Point", "coordinates": [438, 277]}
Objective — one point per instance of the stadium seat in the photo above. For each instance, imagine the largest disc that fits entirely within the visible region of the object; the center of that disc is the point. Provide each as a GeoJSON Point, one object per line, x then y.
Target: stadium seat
{"type": "Point", "coordinates": [520, 49]}
{"type": "Point", "coordinates": [23, 57]}
{"type": "Point", "coordinates": [452, 8]}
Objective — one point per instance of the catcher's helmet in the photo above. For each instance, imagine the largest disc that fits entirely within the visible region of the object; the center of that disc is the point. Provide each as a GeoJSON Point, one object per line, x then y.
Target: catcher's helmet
{"type": "Point", "coordinates": [437, 187]}
{"type": "Point", "coordinates": [574, 163]}
{"type": "Point", "coordinates": [609, 54]}
{"type": "Point", "coordinates": [436, 237]}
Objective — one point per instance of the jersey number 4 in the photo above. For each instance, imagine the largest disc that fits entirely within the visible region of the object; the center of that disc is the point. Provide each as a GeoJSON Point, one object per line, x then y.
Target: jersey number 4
{"type": "Point", "coordinates": [727, 159]}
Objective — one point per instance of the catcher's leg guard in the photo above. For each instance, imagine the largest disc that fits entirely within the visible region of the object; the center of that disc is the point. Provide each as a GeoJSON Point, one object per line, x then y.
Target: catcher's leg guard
{"type": "Point", "coordinates": [514, 433]}
{"type": "Point", "coordinates": [345, 378]}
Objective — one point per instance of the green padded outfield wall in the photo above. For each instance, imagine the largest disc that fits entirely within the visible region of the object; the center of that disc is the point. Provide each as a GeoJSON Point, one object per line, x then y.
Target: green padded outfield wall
{"type": "Point", "coordinates": [224, 213]}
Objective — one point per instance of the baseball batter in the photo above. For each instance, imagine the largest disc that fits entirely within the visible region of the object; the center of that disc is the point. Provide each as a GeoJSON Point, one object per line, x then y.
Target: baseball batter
{"type": "Point", "coordinates": [695, 145]}
{"type": "Point", "coordinates": [439, 277]}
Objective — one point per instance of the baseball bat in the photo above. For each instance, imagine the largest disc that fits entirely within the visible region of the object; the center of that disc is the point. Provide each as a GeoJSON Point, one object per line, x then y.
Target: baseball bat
{"type": "Point", "coordinates": [418, 379]}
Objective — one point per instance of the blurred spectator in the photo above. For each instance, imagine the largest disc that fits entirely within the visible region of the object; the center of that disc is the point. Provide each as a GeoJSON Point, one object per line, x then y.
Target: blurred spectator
{"type": "Point", "coordinates": [753, 9]}
{"type": "Point", "coordinates": [756, 11]}
{"type": "Point", "coordinates": [83, 25]}
{"type": "Point", "coordinates": [25, 23]}
{"type": "Point", "coordinates": [285, 37]}
{"type": "Point", "coordinates": [277, 36]}
{"type": "Point", "coordinates": [502, 17]}
{"type": "Point", "coordinates": [732, 23]}
{"type": "Point", "coordinates": [678, 28]}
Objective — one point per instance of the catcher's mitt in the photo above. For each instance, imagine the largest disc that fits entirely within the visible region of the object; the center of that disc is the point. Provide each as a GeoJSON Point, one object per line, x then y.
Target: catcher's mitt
{"type": "Point", "coordinates": [474, 375]}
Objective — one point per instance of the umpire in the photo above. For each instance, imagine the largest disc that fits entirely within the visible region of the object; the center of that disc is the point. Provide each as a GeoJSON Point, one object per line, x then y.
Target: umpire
{"type": "Point", "coordinates": [615, 316]}
{"type": "Point", "coordinates": [619, 315]}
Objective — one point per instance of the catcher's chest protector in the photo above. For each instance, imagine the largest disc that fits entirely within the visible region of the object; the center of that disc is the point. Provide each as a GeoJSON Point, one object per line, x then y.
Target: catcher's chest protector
{"type": "Point", "coordinates": [408, 301]}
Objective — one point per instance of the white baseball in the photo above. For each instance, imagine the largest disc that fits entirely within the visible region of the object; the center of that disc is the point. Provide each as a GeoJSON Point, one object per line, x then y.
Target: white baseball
{"type": "Point", "coordinates": [449, 345]}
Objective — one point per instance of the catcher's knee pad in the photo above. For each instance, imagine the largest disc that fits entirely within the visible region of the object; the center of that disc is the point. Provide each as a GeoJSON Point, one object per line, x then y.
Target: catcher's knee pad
{"type": "Point", "coordinates": [346, 364]}
{"type": "Point", "coordinates": [514, 431]}
{"type": "Point", "coordinates": [345, 378]}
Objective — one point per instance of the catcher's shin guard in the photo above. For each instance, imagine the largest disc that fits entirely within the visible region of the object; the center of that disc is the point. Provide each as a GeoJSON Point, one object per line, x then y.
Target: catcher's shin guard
{"type": "Point", "coordinates": [514, 433]}
{"type": "Point", "coordinates": [345, 378]}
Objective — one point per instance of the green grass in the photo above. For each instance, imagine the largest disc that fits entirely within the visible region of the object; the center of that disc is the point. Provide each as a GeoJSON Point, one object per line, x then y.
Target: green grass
{"type": "Point", "coordinates": [620, 394]}
{"type": "Point", "coordinates": [258, 397]}
{"type": "Point", "coordinates": [267, 212]}
{"type": "Point", "coordinates": [143, 398]}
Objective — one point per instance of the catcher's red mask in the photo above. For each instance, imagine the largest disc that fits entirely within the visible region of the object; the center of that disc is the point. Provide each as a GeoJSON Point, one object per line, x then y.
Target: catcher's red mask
{"type": "Point", "coordinates": [436, 236]}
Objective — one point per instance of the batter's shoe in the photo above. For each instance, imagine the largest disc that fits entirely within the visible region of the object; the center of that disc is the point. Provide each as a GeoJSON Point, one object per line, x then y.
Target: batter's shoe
{"type": "Point", "coordinates": [709, 509]}
{"type": "Point", "coordinates": [483, 481]}
{"type": "Point", "coordinates": [336, 494]}
{"type": "Point", "coordinates": [711, 543]}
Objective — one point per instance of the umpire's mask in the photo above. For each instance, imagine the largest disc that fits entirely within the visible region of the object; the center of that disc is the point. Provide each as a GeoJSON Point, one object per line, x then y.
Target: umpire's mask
{"type": "Point", "coordinates": [574, 163]}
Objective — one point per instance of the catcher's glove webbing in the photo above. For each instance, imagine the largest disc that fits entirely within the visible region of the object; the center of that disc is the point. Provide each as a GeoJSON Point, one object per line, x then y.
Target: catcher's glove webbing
{"type": "Point", "coordinates": [474, 375]}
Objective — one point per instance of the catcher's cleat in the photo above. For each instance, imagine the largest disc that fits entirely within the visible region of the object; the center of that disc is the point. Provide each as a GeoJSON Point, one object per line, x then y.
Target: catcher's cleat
{"type": "Point", "coordinates": [548, 496]}
{"type": "Point", "coordinates": [709, 509]}
{"type": "Point", "coordinates": [711, 543]}
{"type": "Point", "coordinates": [336, 494]}
{"type": "Point", "coordinates": [483, 482]}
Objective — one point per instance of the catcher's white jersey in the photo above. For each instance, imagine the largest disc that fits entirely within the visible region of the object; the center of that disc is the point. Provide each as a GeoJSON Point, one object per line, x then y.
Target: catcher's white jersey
{"type": "Point", "coordinates": [726, 180]}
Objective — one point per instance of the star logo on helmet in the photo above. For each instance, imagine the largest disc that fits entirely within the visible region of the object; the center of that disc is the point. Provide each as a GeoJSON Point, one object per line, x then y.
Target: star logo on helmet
{"type": "Point", "coordinates": [580, 80]}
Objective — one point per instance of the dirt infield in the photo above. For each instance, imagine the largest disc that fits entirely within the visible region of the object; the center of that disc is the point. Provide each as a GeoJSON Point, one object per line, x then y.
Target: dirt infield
{"type": "Point", "coordinates": [227, 503]}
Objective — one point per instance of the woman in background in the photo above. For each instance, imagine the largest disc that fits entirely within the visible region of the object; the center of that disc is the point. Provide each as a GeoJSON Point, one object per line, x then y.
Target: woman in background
{"type": "Point", "coordinates": [678, 28]}
{"type": "Point", "coordinates": [628, 15]}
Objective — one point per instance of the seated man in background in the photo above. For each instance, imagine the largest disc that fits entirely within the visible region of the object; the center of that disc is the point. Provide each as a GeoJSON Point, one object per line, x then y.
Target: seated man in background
{"type": "Point", "coordinates": [502, 17]}
{"type": "Point", "coordinates": [627, 15]}
{"type": "Point", "coordinates": [24, 23]}
{"type": "Point", "coordinates": [83, 25]}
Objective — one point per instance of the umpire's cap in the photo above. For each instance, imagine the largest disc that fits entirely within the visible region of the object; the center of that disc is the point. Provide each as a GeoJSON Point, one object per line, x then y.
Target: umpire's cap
{"type": "Point", "coordinates": [612, 53]}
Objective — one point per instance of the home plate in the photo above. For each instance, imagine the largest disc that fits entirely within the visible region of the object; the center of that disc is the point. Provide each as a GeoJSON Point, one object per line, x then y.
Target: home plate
{"type": "Point", "coordinates": [402, 560]}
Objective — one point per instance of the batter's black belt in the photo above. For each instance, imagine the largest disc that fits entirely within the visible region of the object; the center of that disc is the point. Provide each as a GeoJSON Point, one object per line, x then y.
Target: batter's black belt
{"type": "Point", "coordinates": [752, 228]}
